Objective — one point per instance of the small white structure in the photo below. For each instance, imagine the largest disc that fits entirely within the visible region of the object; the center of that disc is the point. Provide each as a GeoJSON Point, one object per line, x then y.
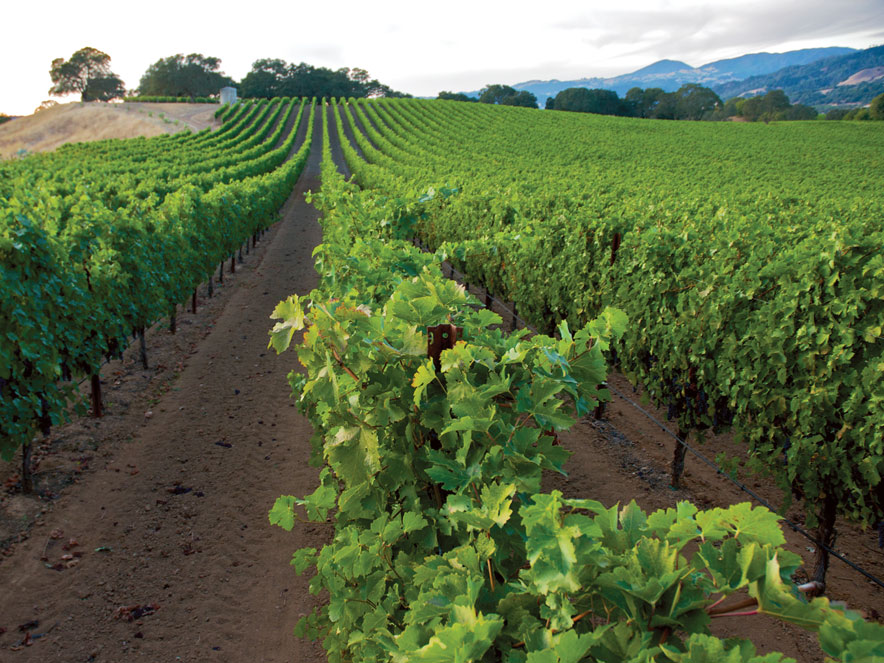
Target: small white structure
{"type": "Point", "coordinates": [228, 95]}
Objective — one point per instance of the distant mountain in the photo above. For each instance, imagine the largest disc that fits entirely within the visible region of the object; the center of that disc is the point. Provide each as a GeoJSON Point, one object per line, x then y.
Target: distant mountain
{"type": "Point", "coordinates": [851, 79]}
{"type": "Point", "coordinates": [758, 64]}
{"type": "Point", "coordinates": [661, 68]}
{"type": "Point", "coordinates": [672, 74]}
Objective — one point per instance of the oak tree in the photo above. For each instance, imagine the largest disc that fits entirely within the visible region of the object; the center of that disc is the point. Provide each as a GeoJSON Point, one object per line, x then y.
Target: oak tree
{"type": "Point", "coordinates": [88, 73]}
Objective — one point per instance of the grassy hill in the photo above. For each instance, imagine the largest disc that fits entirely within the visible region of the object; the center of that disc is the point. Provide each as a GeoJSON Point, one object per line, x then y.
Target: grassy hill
{"type": "Point", "coordinates": [850, 80]}
{"type": "Point", "coordinates": [79, 122]}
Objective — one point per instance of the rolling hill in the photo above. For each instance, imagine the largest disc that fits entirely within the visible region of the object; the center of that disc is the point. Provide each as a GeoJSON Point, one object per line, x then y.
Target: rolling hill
{"type": "Point", "coordinates": [78, 122]}
{"type": "Point", "coordinates": [848, 80]}
{"type": "Point", "coordinates": [672, 74]}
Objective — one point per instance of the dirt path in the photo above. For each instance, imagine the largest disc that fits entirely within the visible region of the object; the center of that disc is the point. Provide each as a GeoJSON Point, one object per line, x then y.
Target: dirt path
{"type": "Point", "coordinates": [178, 516]}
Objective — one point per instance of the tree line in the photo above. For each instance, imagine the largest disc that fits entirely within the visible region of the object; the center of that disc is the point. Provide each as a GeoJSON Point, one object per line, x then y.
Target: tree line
{"type": "Point", "coordinates": [88, 73]}
{"type": "Point", "coordinates": [689, 102]}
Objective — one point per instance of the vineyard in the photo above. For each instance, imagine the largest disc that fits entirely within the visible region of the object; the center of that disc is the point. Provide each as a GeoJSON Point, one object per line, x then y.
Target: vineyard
{"type": "Point", "coordinates": [733, 272]}
{"type": "Point", "coordinates": [754, 302]}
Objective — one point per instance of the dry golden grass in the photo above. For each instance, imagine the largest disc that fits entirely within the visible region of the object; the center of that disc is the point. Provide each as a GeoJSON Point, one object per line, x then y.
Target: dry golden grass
{"type": "Point", "coordinates": [77, 122]}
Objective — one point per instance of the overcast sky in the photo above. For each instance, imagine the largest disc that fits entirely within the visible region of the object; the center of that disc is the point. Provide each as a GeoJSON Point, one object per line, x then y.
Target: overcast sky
{"type": "Point", "coordinates": [419, 47]}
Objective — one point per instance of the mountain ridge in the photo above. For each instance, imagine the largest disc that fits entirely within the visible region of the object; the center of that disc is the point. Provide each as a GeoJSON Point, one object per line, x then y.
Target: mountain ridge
{"type": "Point", "coordinates": [672, 74]}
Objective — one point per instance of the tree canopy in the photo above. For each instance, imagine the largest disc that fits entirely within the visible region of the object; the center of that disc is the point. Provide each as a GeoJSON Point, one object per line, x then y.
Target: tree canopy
{"type": "Point", "coordinates": [271, 77]}
{"type": "Point", "coordinates": [586, 100]}
{"type": "Point", "coordinates": [773, 106]}
{"type": "Point", "coordinates": [194, 75]}
{"type": "Point", "coordinates": [505, 95]}
{"type": "Point", "coordinates": [455, 96]}
{"type": "Point", "coordinates": [689, 102]}
{"type": "Point", "coordinates": [88, 73]}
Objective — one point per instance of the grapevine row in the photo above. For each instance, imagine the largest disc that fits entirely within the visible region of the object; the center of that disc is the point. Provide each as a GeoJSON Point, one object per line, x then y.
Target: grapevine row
{"type": "Point", "coordinates": [78, 275]}
{"type": "Point", "coordinates": [757, 300]}
{"type": "Point", "coordinates": [444, 548]}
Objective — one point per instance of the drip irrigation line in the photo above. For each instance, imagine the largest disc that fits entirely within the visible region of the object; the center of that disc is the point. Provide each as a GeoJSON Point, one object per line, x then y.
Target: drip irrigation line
{"type": "Point", "coordinates": [792, 525]}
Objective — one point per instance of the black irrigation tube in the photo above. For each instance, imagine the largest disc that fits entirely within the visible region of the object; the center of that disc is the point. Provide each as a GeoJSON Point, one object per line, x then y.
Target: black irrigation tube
{"type": "Point", "coordinates": [793, 526]}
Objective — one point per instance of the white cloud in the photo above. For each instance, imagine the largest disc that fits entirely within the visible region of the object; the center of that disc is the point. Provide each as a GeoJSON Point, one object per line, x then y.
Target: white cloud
{"type": "Point", "coordinates": [421, 47]}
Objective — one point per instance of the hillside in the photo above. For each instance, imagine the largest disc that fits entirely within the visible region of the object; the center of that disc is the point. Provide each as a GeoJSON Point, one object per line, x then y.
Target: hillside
{"type": "Point", "coordinates": [77, 122]}
{"type": "Point", "coordinates": [852, 79]}
{"type": "Point", "coordinates": [672, 74]}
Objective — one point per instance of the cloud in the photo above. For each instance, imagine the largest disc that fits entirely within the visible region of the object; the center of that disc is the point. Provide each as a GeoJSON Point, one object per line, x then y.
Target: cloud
{"type": "Point", "coordinates": [700, 31]}
{"type": "Point", "coordinates": [423, 48]}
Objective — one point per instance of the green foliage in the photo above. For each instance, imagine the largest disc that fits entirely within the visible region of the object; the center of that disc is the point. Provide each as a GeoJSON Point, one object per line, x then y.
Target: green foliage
{"type": "Point", "coordinates": [455, 96]}
{"type": "Point", "coordinates": [754, 301]}
{"type": "Point", "coordinates": [876, 108]}
{"type": "Point", "coordinates": [277, 78]}
{"type": "Point", "coordinates": [505, 95]}
{"type": "Point", "coordinates": [172, 100]}
{"type": "Point", "coordinates": [87, 72]}
{"type": "Point", "coordinates": [102, 239]}
{"type": "Point", "coordinates": [443, 548]}
{"type": "Point", "coordinates": [583, 100]}
{"type": "Point", "coordinates": [689, 102]}
{"type": "Point", "coordinates": [191, 76]}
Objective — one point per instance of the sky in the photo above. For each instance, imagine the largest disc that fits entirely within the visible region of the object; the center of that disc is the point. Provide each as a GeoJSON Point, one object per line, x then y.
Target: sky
{"type": "Point", "coordinates": [419, 47]}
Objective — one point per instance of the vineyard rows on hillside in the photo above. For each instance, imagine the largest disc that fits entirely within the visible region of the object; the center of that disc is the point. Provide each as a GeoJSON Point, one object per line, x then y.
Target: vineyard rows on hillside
{"type": "Point", "coordinates": [738, 286]}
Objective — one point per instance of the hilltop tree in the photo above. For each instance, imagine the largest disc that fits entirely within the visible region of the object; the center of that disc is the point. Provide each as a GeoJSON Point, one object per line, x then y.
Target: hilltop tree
{"type": "Point", "coordinates": [87, 72]}
{"type": "Point", "coordinates": [272, 77]}
{"type": "Point", "coordinates": [765, 107]}
{"type": "Point", "coordinates": [455, 96]}
{"type": "Point", "coordinates": [586, 100]}
{"type": "Point", "coordinates": [695, 102]}
{"type": "Point", "coordinates": [505, 95]}
{"type": "Point", "coordinates": [644, 103]}
{"type": "Point", "coordinates": [522, 98]}
{"type": "Point", "coordinates": [195, 75]}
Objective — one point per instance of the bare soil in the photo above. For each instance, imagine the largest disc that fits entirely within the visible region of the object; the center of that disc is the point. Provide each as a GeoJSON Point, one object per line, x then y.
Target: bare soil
{"type": "Point", "coordinates": [152, 539]}
{"type": "Point", "coordinates": [79, 122]}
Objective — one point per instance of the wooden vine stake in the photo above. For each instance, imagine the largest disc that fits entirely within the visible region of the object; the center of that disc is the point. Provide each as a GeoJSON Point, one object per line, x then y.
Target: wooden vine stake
{"type": "Point", "coordinates": [211, 286]}
{"type": "Point", "coordinates": [221, 273]}
{"type": "Point", "coordinates": [615, 245]}
{"type": "Point", "coordinates": [142, 346]}
{"type": "Point", "coordinates": [233, 263]}
{"type": "Point", "coordinates": [691, 391]}
{"type": "Point", "coordinates": [27, 477]}
{"type": "Point", "coordinates": [439, 338]}
{"type": "Point", "coordinates": [600, 408]}
{"type": "Point", "coordinates": [825, 535]}
{"type": "Point", "coordinates": [193, 303]}
{"type": "Point", "coordinates": [96, 396]}
{"type": "Point", "coordinates": [678, 459]}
